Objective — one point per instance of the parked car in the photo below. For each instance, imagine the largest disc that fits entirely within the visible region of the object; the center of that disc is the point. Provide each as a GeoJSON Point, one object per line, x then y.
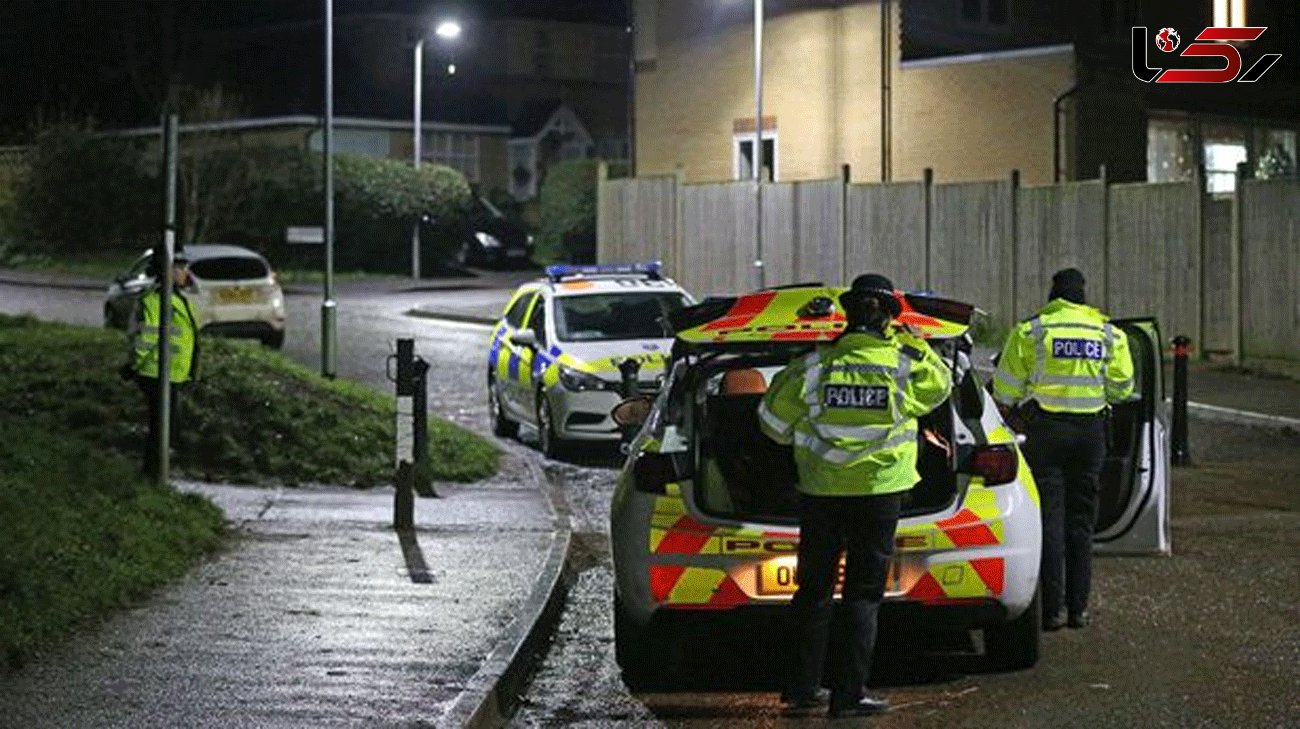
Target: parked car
{"type": "Point", "coordinates": [492, 239]}
{"type": "Point", "coordinates": [233, 291]}
{"type": "Point", "coordinates": [703, 523]}
{"type": "Point", "coordinates": [555, 354]}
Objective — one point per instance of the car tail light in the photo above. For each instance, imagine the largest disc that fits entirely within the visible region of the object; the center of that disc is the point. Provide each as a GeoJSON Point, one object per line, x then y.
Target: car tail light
{"type": "Point", "coordinates": [996, 463]}
{"type": "Point", "coordinates": [652, 472]}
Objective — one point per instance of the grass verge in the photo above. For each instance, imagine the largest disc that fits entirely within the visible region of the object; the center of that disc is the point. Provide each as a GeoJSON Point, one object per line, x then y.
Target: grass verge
{"type": "Point", "coordinates": [254, 416]}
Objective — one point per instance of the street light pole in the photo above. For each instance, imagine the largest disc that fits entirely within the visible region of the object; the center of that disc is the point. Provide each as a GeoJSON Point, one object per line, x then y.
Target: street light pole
{"type": "Point", "coordinates": [416, 134]}
{"type": "Point", "coordinates": [759, 274]}
{"type": "Point", "coordinates": [329, 308]}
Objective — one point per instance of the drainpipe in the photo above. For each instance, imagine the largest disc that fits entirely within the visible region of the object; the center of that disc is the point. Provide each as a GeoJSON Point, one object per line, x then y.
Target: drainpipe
{"type": "Point", "coordinates": [886, 93]}
{"type": "Point", "coordinates": [1056, 129]}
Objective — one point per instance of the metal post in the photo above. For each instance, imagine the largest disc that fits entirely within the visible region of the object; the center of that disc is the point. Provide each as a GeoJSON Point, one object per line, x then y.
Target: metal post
{"type": "Point", "coordinates": [329, 308]}
{"type": "Point", "coordinates": [1180, 455]}
{"type": "Point", "coordinates": [760, 277]}
{"type": "Point", "coordinates": [417, 129]}
{"type": "Point", "coordinates": [404, 496]}
{"type": "Point", "coordinates": [165, 305]}
{"type": "Point", "coordinates": [886, 93]}
{"type": "Point", "coordinates": [420, 422]}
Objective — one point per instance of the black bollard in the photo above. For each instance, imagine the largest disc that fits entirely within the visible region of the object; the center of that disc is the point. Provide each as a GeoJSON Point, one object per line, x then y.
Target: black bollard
{"type": "Point", "coordinates": [1180, 455]}
{"type": "Point", "coordinates": [404, 495]}
{"type": "Point", "coordinates": [420, 417]}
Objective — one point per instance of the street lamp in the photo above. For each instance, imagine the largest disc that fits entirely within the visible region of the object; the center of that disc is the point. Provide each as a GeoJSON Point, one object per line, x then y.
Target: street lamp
{"type": "Point", "coordinates": [447, 30]}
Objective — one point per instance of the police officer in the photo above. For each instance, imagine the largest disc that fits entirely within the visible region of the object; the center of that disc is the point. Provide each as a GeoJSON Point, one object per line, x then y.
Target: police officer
{"type": "Point", "coordinates": [849, 408]}
{"type": "Point", "coordinates": [144, 334]}
{"type": "Point", "coordinates": [1062, 367]}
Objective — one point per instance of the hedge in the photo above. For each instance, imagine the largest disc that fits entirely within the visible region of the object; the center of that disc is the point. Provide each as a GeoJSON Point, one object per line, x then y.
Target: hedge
{"type": "Point", "coordinates": [567, 208]}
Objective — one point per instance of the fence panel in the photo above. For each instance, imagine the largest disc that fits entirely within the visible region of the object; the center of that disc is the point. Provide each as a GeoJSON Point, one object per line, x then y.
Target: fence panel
{"type": "Point", "coordinates": [612, 216]}
{"type": "Point", "coordinates": [1059, 226]}
{"type": "Point", "coordinates": [971, 247]}
{"type": "Point", "coordinates": [1155, 255]}
{"type": "Point", "coordinates": [718, 237]}
{"type": "Point", "coordinates": [780, 251]}
{"type": "Point", "coordinates": [636, 220]}
{"type": "Point", "coordinates": [1270, 261]}
{"type": "Point", "coordinates": [818, 246]}
{"type": "Point", "coordinates": [1218, 281]}
{"type": "Point", "coordinates": [886, 232]}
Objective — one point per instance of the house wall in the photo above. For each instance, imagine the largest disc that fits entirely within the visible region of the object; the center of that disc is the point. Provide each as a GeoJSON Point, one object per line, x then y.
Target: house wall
{"type": "Point", "coordinates": [967, 120]}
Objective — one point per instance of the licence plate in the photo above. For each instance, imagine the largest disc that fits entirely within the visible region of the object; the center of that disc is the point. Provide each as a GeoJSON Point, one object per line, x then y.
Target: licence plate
{"type": "Point", "coordinates": [776, 577]}
{"type": "Point", "coordinates": [236, 295]}
{"type": "Point", "coordinates": [516, 253]}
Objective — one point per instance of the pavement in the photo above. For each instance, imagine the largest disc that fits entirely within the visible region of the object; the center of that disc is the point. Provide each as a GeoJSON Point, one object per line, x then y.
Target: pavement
{"type": "Point", "coordinates": [319, 614]}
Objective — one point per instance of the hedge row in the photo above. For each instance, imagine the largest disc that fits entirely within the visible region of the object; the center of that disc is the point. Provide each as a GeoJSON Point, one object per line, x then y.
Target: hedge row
{"type": "Point", "coordinates": [86, 194]}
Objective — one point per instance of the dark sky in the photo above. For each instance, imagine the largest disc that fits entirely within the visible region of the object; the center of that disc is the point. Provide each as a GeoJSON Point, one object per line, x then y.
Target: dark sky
{"type": "Point", "coordinates": [110, 59]}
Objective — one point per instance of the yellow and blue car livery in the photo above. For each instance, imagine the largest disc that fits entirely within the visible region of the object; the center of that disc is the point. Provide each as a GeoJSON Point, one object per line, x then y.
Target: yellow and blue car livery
{"type": "Point", "coordinates": [563, 378]}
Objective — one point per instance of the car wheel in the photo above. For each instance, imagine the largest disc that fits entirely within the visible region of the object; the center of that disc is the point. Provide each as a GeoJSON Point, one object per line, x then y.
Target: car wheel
{"type": "Point", "coordinates": [502, 426]}
{"type": "Point", "coordinates": [1013, 646]}
{"type": "Point", "coordinates": [110, 322]}
{"type": "Point", "coordinates": [551, 444]}
{"type": "Point", "coordinates": [648, 655]}
{"type": "Point", "coordinates": [274, 340]}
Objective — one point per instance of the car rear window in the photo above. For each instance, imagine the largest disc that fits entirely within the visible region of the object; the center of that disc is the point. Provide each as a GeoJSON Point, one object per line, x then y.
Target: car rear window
{"type": "Point", "coordinates": [229, 268]}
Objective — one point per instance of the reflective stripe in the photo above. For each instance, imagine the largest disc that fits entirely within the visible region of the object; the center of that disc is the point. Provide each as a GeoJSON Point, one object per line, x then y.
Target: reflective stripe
{"type": "Point", "coordinates": [1078, 404]}
{"type": "Point", "coordinates": [1126, 384]}
{"type": "Point", "coordinates": [1108, 333]}
{"type": "Point", "coordinates": [900, 382]}
{"type": "Point", "coordinates": [811, 375]}
{"type": "Point", "coordinates": [1009, 381]}
{"type": "Point", "coordinates": [770, 419]}
{"type": "Point", "coordinates": [842, 456]}
{"type": "Point", "coordinates": [1073, 325]}
{"type": "Point", "coordinates": [863, 368]}
{"type": "Point", "coordinates": [1067, 380]}
{"type": "Point", "coordinates": [1040, 348]}
{"type": "Point", "coordinates": [855, 432]}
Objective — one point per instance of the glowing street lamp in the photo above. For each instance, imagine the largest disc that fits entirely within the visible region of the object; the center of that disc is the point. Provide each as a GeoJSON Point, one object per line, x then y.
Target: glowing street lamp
{"type": "Point", "coordinates": [448, 30]}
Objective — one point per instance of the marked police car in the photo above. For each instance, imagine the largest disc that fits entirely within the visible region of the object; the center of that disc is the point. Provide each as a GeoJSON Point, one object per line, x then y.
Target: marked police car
{"type": "Point", "coordinates": [703, 522]}
{"type": "Point", "coordinates": [555, 354]}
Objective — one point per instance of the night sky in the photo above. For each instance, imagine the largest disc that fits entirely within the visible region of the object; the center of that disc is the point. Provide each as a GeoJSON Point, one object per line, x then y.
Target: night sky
{"type": "Point", "coordinates": [110, 60]}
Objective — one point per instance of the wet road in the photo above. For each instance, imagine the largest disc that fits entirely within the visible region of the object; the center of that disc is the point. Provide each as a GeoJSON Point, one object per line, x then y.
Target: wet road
{"type": "Point", "coordinates": [1207, 638]}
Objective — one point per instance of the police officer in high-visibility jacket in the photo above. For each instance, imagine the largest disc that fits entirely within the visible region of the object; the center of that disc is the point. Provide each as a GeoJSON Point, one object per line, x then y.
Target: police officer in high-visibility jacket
{"type": "Point", "coordinates": [1060, 369]}
{"type": "Point", "coordinates": [849, 408]}
{"type": "Point", "coordinates": [144, 332]}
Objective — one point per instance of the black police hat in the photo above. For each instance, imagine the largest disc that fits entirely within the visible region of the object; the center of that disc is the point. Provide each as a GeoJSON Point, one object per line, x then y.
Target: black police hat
{"type": "Point", "coordinates": [872, 285]}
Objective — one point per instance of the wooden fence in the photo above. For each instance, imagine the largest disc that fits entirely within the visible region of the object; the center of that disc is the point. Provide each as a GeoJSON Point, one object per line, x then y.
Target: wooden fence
{"type": "Point", "coordinates": [1225, 272]}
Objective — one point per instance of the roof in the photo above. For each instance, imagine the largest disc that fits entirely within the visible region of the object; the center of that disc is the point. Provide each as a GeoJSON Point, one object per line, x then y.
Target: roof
{"type": "Point", "coordinates": [199, 251]}
{"type": "Point", "coordinates": [533, 116]}
{"type": "Point", "coordinates": [803, 315]}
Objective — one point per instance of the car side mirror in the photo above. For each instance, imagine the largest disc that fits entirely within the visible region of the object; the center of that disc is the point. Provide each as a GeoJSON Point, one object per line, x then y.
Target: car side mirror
{"type": "Point", "coordinates": [524, 338]}
{"type": "Point", "coordinates": [632, 411]}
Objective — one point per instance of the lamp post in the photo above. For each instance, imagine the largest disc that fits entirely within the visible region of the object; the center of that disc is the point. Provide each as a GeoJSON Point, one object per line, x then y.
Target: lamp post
{"type": "Point", "coordinates": [447, 30]}
{"type": "Point", "coordinates": [328, 308]}
{"type": "Point", "coordinates": [759, 273]}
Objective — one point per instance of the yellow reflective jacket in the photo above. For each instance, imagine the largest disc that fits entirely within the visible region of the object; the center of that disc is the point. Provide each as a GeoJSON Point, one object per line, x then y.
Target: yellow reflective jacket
{"type": "Point", "coordinates": [1068, 358]}
{"type": "Point", "coordinates": [144, 333]}
{"type": "Point", "coordinates": [849, 408]}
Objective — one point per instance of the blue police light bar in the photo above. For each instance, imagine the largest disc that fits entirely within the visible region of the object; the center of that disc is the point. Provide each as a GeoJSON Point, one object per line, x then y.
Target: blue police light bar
{"type": "Point", "coordinates": [559, 271]}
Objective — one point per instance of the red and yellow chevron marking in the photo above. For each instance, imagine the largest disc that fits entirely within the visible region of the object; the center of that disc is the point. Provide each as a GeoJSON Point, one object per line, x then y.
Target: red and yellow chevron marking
{"type": "Point", "coordinates": [700, 588]}
{"type": "Point", "coordinates": [959, 581]}
{"type": "Point", "coordinates": [978, 524]}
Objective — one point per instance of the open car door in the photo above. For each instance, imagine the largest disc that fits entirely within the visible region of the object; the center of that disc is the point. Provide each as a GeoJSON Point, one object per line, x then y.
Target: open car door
{"type": "Point", "coordinates": [1133, 513]}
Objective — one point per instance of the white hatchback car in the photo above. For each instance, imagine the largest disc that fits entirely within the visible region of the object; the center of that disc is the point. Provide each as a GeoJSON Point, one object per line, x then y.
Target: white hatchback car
{"type": "Point", "coordinates": [233, 291]}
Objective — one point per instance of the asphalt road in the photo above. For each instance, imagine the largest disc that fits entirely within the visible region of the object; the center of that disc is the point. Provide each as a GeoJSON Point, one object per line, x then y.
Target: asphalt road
{"type": "Point", "coordinates": [1207, 638]}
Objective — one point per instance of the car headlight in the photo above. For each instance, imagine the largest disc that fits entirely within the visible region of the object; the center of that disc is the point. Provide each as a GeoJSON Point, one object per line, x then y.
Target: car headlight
{"type": "Point", "coordinates": [577, 380]}
{"type": "Point", "coordinates": [487, 240]}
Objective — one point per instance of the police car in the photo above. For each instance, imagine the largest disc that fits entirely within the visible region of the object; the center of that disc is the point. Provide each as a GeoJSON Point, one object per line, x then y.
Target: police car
{"type": "Point", "coordinates": [555, 355]}
{"type": "Point", "coordinates": [704, 527]}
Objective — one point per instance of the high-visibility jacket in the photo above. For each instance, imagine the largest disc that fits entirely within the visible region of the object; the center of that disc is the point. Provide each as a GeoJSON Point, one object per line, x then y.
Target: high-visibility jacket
{"type": "Point", "coordinates": [146, 326]}
{"type": "Point", "coordinates": [849, 408]}
{"type": "Point", "coordinates": [1068, 358]}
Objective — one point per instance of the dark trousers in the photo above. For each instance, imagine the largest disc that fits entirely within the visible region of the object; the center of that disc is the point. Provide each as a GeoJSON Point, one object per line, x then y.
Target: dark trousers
{"type": "Point", "coordinates": [862, 527]}
{"type": "Point", "coordinates": [1066, 455]}
{"type": "Point", "coordinates": [150, 389]}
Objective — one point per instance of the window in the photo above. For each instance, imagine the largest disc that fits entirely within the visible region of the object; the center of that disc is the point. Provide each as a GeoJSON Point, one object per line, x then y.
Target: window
{"type": "Point", "coordinates": [229, 268]}
{"type": "Point", "coordinates": [604, 317]}
{"type": "Point", "coordinates": [1230, 13]}
{"type": "Point", "coordinates": [543, 54]}
{"type": "Point", "coordinates": [744, 165]}
{"type": "Point", "coordinates": [1225, 148]}
{"type": "Point", "coordinates": [538, 323]}
{"type": "Point", "coordinates": [1275, 153]}
{"type": "Point", "coordinates": [515, 314]}
{"type": "Point", "coordinates": [457, 150]}
{"type": "Point", "coordinates": [996, 12]}
{"type": "Point", "coordinates": [1171, 153]}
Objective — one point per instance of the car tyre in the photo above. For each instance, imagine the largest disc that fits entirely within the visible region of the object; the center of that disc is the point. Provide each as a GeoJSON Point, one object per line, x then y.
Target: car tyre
{"type": "Point", "coordinates": [274, 340]}
{"type": "Point", "coordinates": [548, 441]}
{"type": "Point", "coordinates": [502, 425]}
{"type": "Point", "coordinates": [648, 655]}
{"type": "Point", "coordinates": [1013, 646]}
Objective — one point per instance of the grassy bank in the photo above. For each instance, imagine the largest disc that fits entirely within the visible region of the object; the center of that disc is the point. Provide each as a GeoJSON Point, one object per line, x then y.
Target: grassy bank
{"type": "Point", "coordinates": [83, 534]}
